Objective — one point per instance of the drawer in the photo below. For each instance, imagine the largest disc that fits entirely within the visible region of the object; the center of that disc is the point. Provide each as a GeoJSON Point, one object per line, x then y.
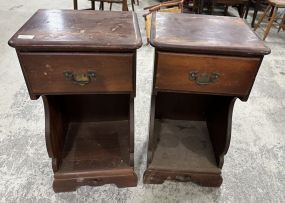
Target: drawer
{"type": "Point", "coordinates": [54, 73]}
{"type": "Point", "coordinates": [205, 74]}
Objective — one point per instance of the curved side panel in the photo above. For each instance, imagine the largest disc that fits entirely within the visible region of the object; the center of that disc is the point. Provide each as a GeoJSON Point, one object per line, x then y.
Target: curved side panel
{"type": "Point", "coordinates": [54, 129]}
{"type": "Point", "coordinates": [151, 139]}
{"type": "Point", "coordinates": [48, 127]}
{"type": "Point", "coordinates": [131, 123]}
{"type": "Point", "coordinates": [219, 122]}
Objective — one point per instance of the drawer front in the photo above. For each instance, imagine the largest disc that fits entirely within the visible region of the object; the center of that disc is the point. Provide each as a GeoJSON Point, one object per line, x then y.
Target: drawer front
{"type": "Point", "coordinates": [49, 73]}
{"type": "Point", "coordinates": [205, 74]}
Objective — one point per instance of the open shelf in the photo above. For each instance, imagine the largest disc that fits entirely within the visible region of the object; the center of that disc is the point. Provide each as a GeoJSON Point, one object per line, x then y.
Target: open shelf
{"type": "Point", "coordinates": [93, 132]}
{"type": "Point", "coordinates": [183, 146]}
{"type": "Point", "coordinates": [90, 140]}
{"type": "Point", "coordinates": [93, 146]}
{"type": "Point", "coordinates": [189, 134]}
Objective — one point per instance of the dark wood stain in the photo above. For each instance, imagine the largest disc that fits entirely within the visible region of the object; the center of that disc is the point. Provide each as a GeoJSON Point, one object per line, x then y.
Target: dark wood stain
{"type": "Point", "coordinates": [69, 30]}
{"type": "Point", "coordinates": [237, 74]}
{"type": "Point", "coordinates": [205, 34]}
{"type": "Point", "coordinates": [180, 106]}
{"type": "Point", "coordinates": [89, 128]}
{"type": "Point", "coordinates": [45, 72]}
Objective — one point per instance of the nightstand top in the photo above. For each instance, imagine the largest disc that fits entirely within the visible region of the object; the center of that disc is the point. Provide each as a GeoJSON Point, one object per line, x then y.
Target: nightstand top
{"type": "Point", "coordinates": [205, 34]}
{"type": "Point", "coordinates": [72, 30]}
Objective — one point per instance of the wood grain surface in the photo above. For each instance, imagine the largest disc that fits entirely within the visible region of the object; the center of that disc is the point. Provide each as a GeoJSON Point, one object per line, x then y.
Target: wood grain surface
{"type": "Point", "coordinates": [236, 74]}
{"type": "Point", "coordinates": [205, 34]}
{"type": "Point", "coordinates": [79, 30]}
{"type": "Point", "coordinates": [45, 72]}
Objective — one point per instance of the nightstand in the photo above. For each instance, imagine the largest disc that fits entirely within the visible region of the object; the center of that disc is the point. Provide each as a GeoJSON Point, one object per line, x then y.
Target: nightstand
{"type": "Point", "coordinates": [202, 64]}
{"type": "Point", "coordinates": [83, 64]}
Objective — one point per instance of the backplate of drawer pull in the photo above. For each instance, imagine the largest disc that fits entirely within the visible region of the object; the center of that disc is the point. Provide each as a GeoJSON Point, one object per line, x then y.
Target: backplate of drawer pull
{"type": "Point", "coordinates": [80, 78]}
{"type": "Point", "coordinates": [203, 78]}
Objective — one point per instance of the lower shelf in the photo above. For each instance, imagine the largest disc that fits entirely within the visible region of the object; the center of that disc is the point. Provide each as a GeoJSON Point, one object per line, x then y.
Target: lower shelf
{"type": "Point", "coordinates": [93, 146]}
{"type": "Point", "coordinates": [90, 140]}
{"type": "Point", "coordinates": [183, 146]}
{"type": "Point", "coordinates": [183, 153]}
{"type": "Point", "coordinates": [94, 154]}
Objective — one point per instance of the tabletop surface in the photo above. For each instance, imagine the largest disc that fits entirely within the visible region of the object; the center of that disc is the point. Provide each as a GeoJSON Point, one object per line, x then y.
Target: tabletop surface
{"type": "Point", "coordinates": [87, 30]}
{"type": "Point", "coordinates": [205, 33]}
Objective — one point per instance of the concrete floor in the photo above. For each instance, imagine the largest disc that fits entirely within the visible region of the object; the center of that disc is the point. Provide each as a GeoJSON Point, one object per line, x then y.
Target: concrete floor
{"type": "Point", "coordinates": [254, 169]}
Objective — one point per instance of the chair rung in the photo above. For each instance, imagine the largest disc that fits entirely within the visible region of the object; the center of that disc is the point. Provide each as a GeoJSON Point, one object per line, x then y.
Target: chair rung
{"type": "Point", "coordinates": [262, 29]}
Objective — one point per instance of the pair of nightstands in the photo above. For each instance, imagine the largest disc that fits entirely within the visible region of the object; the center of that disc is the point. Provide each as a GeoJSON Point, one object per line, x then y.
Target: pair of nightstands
{"type": "Point", "coordinates": [83, 64]}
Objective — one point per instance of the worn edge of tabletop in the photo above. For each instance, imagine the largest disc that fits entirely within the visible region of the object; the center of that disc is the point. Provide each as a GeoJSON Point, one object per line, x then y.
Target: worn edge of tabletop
{"type": "Point", "coordinates": [64, 47]}
{"type": "Point", "coordinates": [206, 49]}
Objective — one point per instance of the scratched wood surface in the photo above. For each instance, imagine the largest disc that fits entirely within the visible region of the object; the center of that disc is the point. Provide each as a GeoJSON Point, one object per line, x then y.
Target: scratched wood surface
{"type": "Point", "coordinates": [79, 30]}
{"type": "Point", "coordinates": [205, 34]}
{"type": "Point", "coordinates": [236, 74]}
{"type": "Point", "coordinates": [45, 72]}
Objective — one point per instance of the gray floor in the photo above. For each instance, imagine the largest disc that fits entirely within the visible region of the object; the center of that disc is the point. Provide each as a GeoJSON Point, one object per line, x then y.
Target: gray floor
{"type": "Point", "coordinates": [254, 169]}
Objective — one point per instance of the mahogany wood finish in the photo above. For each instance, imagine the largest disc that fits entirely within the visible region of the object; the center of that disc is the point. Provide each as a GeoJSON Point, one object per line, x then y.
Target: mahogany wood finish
{"type": "Point", "coordinates": [198, 74]}
{"type": "Point", "coordinates": [72, 31]}
{"type": "Point", "coordinates": [236, 73]}
{"type": "Point", "coordinates": [84, 68]}
{"type": "Point", "coordinates": [45, 71]}
{"type": "Point", "coordinates": [219, 35]}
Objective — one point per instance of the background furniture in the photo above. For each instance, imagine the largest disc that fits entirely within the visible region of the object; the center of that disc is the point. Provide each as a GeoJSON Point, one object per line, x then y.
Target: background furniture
{"type": "Point", "coordinates": [195, 86]}
{"type": "Point", "coordinates": [273, 5]}
{"type": "Point", "coordinates": [257, 5]}
{"type": "Point", "coordinates": [101, 5]}
{"type": "Point", "coordinates": [123, 2]}
{"type": "Point", "coordinates": [242, 5]}
{"type": "Point", "coordinates": [86, 77]}
{"type": "Point", "coordinates": [174, 6]}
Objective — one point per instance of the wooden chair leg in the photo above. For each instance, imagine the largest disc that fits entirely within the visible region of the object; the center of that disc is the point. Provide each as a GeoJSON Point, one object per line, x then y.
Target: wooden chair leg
{"type": "Point", "coordinates": [133, 6]}
{"type": "Point", "coordinates": [271, 12]}
{"type": "Point", "coordinates": [93, 5]}
{"type": "Point", "coordinates": [282, 24]}
{"type": "Point", "coordinates": [111, 6]}
{"type": "Point", "coordinates": [274, 14]}
{"type": "Point", "coordinates": [211, 6]}
{"type": "Point", "coordinates": [75, 4]}
{"type": "Point", "coordinates": [125, 5]}
{"type": "Point", "coordinates": [240, 10]}
{"type": "Point", "coordinates": [262, 17]}
{"type": "Point", "coordinates": [256, 8]}
{"type": "Point", "coordinates": [200, 6]}
{"type": "Point", "coordinates": [133, 2]}
{"type": "Point", "coordinates": [226, 10]}
{"type": "Point", "coordinates": [101, 7]}
{"type": "Point", "coordinates": [247, 9]}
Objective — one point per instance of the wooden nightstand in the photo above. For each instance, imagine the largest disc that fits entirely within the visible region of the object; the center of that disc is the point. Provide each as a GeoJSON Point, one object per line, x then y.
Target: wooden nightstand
{"type": "Point", "coordinates": [202, 64]}
{"type": "Point", "coordinates": [83, 64]}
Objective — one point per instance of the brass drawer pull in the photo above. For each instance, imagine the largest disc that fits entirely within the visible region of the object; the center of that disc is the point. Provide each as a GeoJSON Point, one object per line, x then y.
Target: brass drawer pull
{"type": "Point", "coordinates": [203, 78]}
{"type": "Point", "coordinates": [80, 78]}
